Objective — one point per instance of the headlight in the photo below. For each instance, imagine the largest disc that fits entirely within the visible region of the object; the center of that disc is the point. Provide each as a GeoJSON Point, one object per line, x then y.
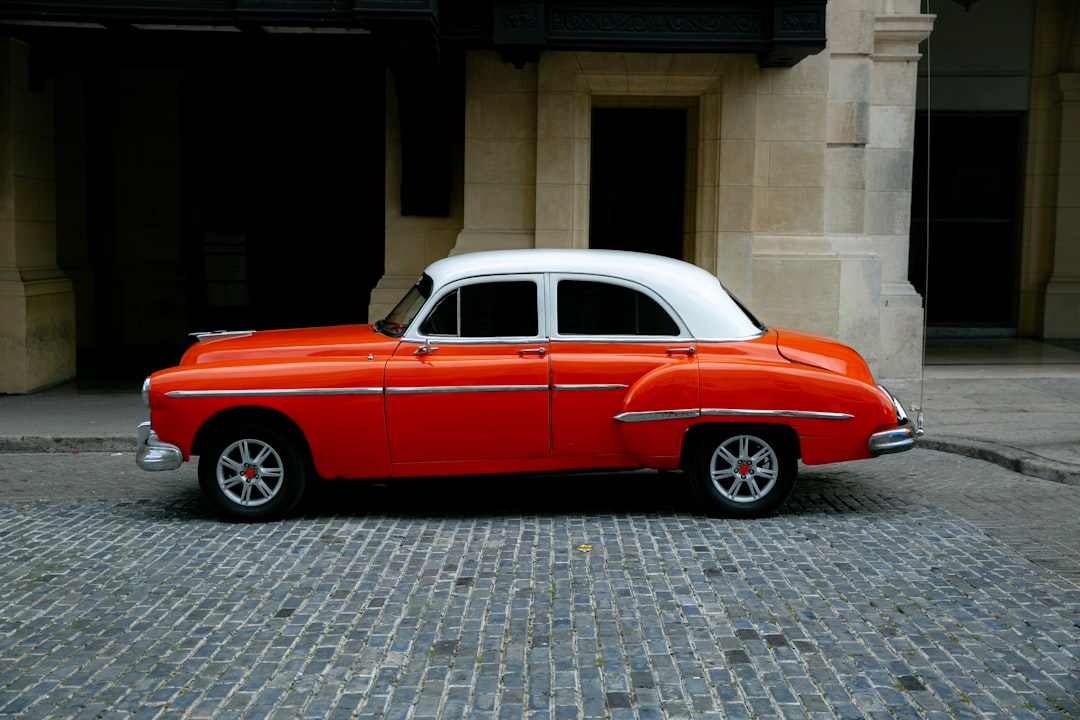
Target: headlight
{"type": "Point", "coordinates": [146, 391]}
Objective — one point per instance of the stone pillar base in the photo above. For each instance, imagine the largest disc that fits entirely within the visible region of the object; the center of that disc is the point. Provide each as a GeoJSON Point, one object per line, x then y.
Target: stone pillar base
{"type": "Point", "coordinates": [476, 240]}
{"type": "Point", "coordinates": [37, 330]}
{"type": "Point", "coordinates": [901, 333]}
{"type": "Point", "coordinates": [1061, 319]}
{"type": "Point", "coordinates": [386, 294]}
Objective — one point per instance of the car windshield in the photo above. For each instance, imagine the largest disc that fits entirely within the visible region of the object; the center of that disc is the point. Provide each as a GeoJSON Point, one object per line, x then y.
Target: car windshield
{"type": "Point", "coordinates": [397, 322]}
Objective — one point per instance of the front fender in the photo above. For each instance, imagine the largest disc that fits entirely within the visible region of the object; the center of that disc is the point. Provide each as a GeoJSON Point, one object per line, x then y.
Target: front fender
{"type": "Point", "coordinates": [337, 406]}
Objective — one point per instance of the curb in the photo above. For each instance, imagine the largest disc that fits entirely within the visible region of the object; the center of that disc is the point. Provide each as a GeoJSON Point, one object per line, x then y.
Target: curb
{"type": "Point", "coordinates": [66, 444]}
{"type": "Point", "coordinates": [1019, 461]}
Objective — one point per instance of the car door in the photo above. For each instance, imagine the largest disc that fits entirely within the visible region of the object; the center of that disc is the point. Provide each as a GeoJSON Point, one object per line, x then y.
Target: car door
{"type": "Point", "coordinates": [608, 334]}
{"type": "Point", "coordinates": [470, 380]}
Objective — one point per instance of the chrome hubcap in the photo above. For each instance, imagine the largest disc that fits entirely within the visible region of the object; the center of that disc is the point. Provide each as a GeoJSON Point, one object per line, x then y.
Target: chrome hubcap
{"type": "Point", "coordinates": [744, 469]}
{"type": "Point", "coordinates": [250, 472]}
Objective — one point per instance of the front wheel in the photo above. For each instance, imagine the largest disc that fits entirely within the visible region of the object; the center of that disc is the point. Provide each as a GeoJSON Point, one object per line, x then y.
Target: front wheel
{"type": "Point", "coordinates": [253, 474]}
{"type": "Point", "coordinates": [744, 475]}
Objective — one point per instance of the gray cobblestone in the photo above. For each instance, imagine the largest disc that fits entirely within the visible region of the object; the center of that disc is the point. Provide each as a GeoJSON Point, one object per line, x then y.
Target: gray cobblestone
{"type": "Point", "coordinates": [930, 586]}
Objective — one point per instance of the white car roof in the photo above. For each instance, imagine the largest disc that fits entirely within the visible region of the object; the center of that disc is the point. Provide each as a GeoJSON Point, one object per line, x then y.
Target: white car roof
{"type": "Point", "coordinates": [696, 295]}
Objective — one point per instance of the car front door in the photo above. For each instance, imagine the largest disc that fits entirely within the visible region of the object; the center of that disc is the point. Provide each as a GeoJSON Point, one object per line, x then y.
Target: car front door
{"type": "Point", "coordinates": [472, 382]}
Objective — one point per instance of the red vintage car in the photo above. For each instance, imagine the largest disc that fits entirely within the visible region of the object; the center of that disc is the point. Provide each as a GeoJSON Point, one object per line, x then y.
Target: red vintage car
{"type": "Point", "coordinates": [523, 361]}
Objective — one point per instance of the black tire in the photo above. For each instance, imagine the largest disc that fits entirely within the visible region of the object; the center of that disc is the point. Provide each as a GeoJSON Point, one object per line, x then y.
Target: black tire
{"type": "Point", "coordinates": [253, 473]}
{"type": "Point", "coordinates": [745, 473]}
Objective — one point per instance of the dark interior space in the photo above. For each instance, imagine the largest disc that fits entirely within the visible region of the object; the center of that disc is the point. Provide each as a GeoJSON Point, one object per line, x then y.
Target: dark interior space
{"type": "Point", "coordinates": [290, 190]}
{"type": "Point", "coordinates": [965, 169]}
{"type": "Point", "coordinates": [279, 190]}
{"type": "Point", "coordinates": [638, 182]}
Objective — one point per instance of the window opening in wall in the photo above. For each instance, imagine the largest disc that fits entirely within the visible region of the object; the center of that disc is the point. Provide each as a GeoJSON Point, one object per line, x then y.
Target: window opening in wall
{"type": "Point", "coordinates": [638, 188]}
{"type": "Point", "coordinates": [973, 216]}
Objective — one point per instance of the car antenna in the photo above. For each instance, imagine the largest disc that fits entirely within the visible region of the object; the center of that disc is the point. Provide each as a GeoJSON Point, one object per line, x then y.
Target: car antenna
{"type": "Point", "coordinates": [918, 409]}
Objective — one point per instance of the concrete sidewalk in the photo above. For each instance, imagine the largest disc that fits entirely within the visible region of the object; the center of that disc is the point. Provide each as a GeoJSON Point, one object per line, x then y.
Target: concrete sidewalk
{"type": "Point", "coordinates": [1012, 402]}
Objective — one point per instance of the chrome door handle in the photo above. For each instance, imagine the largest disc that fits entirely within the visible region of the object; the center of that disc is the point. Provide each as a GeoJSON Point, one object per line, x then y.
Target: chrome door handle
{"type": "Point", "coordinates": [541, 351]}
{"type": "Point", "coordinates": [682, 350]}
{"type": "Point", "coordinates": [425, 349]}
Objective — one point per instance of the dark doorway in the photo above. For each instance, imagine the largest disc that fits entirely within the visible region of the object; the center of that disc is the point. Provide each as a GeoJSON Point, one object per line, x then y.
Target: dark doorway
{"type": "Point", "coordinates": [968, 201]}
{"type": "Point", "coordinates": [638, 180]}
{"type": "Point", "coordinates": [290, 187]}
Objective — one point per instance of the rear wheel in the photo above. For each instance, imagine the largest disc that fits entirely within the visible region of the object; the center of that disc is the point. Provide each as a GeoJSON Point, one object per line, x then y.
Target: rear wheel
{"type": "Point", "coordinates": [744, 474]}
{"type": "Point", "coordinates": [253, 473]}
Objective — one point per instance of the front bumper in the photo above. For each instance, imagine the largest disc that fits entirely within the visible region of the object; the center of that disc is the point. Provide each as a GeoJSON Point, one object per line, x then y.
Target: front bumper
{"type": "Point", "coordinates": [153, 454]}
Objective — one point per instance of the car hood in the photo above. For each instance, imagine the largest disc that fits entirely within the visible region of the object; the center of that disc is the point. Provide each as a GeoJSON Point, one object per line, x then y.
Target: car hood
{"type": "Point", "coordinates": [341, 341]}
{"type": "Point", "coordinates": [822, 352]}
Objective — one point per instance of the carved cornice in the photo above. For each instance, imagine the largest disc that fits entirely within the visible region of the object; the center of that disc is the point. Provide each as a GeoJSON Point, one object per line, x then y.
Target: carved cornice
{"type": "Point", "coordinates": [897, 37]}
{"type": "Point", "coordinates": [780, 32]}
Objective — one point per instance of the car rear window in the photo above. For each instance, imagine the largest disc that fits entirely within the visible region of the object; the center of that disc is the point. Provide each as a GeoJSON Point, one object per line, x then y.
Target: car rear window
{"type": "Point", "coordinates": [596, 308]}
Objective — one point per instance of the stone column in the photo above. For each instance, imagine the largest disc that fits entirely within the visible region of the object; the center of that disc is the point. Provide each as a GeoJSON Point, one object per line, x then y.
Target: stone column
{"type": "Point", "coordinates": [411, 243]}
{"type": "Point", "coordinates": [1062, 315]}
{"type": "Point", "coordinates": [500, 155]}
{"type": "Point", "coordinates": [37, 303]}
{"type": "Point", "coordinates": [889, 154]}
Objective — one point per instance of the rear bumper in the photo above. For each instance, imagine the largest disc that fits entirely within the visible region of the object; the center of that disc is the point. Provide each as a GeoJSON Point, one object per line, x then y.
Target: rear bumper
{"type": "Point", "coordinates": [898, 439]}
{"type": "Point", "coordinates": [892, 441]}
{"type": "Point", "coordinates": [153, 454]}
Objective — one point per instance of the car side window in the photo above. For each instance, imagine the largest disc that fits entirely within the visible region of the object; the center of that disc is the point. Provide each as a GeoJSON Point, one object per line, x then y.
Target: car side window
{"type": "Point", "coordinates": [597, 308]}
{"type": "Point", "coordinates": [486, 310]}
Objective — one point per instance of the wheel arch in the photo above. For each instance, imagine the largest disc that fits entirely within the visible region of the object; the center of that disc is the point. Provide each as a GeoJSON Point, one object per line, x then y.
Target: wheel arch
{"type": "Point", "coordinates": [700, 432]}
{"type": "Point", "coordinates": [250, 415]}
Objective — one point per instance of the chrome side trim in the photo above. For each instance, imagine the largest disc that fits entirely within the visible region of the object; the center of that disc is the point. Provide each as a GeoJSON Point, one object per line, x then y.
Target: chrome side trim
{"type": "Point", "coordinates": [462, 389]}
{"type": "Point", "coordinates": [802, 414]}
{"type": "Point", "coordinates": [647, 416]}
{"type": "Point", "coordinates": [586, 386]}
{"type": "Point", "coordinates": [273, 392]}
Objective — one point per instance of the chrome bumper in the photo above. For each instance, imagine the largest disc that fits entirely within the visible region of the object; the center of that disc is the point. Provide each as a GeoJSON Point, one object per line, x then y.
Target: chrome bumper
{"type": "Point", "coordinates": [153, 454]}
{"type": "Point", "coordinates": [898, 439]}
{"type": "Point", "coordinates": [892, 441]}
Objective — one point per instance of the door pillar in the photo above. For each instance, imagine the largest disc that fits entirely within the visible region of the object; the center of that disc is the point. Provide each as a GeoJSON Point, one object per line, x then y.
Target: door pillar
{"type": "Point", "coordinates": [37, 302]}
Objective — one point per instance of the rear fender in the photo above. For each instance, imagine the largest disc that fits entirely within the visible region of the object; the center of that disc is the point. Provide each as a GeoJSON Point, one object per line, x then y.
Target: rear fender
{"type": "Point", "coordinates": [832, 415]}
{"type": "Point", "coordinates": [658, 408]}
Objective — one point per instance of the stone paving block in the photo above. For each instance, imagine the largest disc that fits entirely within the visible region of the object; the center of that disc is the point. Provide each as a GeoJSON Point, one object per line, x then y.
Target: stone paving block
{"type": "Point", "coordinates": [852, 605]}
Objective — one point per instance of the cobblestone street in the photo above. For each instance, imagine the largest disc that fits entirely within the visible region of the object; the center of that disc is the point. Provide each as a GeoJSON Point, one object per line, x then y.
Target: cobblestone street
{"type": "Point", "coordinates": [916, 586]}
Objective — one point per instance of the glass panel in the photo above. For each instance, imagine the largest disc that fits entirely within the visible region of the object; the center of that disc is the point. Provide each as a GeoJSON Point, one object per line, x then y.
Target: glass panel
{"type": "Point", "coordinates": [443, 320]}
{"type": "Point", "coordinates": [594, 308]}
{"type": "Point", "coordinates": [499, 309]}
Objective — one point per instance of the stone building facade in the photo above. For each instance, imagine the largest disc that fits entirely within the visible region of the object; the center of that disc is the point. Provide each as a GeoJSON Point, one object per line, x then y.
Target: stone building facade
{"type": "Point", "coordinates": [126, 223]}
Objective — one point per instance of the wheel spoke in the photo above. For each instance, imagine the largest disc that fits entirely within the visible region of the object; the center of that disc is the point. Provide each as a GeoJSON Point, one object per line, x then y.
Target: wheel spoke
{"type": "Point", "coordinates": [768, 473]}
{"type": "Point", "coordinates": [731, 460]}
{"type": "Point", "coordinates": [264, 453]}
{"type": "Point", "coordinates": [263, 488]}
{"type": "Point", "coordinates": [231, 482]}
{"type": "Point", "coordinates": [228, 463]}
{"type": "Point", "coordinates": [763, 454]}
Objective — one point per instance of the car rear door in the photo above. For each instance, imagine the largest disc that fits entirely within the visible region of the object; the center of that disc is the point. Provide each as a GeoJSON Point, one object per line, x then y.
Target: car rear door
{"type": "Point", "coordinates": [608, 334]}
